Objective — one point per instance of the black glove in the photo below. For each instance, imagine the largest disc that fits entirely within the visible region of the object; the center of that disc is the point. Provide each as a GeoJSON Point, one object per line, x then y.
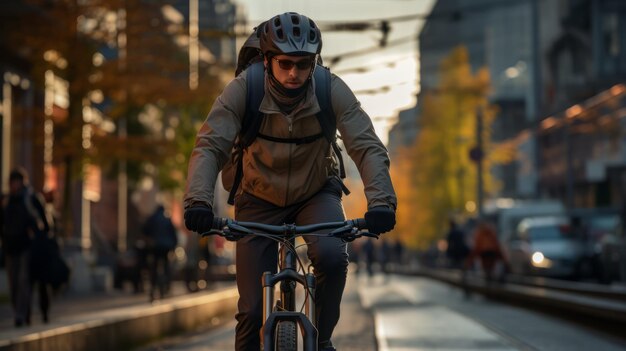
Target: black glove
{"type": "Point", "coordinates": [199, 219]}
{"type": "Point", "coordinates": [380, 219]}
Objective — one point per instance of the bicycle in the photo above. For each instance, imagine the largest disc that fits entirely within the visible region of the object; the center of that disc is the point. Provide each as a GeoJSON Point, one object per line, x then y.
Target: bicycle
{"type": "Point", "coordinates": [280, 316]}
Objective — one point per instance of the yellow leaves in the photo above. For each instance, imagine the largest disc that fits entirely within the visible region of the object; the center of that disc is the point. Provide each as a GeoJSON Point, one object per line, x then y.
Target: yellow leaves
{"type": "Point", "coordinates": [503, 153]}
{"type": "Point", "coordinates": [401, 172]}
{"type": "Point", "coordinates": [436, 179]}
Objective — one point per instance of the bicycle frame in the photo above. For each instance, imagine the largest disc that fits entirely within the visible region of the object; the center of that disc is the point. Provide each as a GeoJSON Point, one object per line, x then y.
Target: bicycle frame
{"type": "Point", "coordinates": [288, 277]}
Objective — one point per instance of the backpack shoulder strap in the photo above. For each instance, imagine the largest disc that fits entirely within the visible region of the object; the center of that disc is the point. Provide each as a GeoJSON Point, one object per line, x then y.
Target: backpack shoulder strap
{"type": "Point", "coordinates": [252, 119]}
{"type": "Point", "coordinates": [327, 117]}
{"type": "Point", "coordinates": [254, 95]}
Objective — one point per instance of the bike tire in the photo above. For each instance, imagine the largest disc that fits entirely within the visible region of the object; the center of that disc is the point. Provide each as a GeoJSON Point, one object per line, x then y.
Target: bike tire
{"type": "Point", "coordinates": [286, 336]}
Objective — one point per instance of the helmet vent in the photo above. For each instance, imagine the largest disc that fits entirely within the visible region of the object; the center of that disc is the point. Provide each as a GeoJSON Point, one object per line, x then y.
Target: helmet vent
{"type": "Point", "coordinates": [288, 33]}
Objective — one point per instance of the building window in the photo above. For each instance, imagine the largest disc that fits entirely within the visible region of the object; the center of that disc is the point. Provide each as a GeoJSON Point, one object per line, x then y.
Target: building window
{"type": "Point", "coordinates": [611, 42]}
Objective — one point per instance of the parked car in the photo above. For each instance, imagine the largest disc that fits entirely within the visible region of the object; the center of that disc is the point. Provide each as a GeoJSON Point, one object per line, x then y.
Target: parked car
{"type": "Point", "coordinates": [547, 246]}
{"type": "Point", "coordinates": [602, 230]}
{"type": "Point", "coordinates": [506, 213]}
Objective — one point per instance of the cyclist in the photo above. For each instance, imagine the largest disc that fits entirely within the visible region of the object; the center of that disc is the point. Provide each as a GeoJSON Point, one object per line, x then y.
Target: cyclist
{"type": "Point", "coordinates": [288, 182]}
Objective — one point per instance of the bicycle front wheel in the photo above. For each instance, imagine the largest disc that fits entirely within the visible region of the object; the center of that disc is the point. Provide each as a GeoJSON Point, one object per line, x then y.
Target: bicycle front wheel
{"type": "Point", "coordinates": [286, 336]}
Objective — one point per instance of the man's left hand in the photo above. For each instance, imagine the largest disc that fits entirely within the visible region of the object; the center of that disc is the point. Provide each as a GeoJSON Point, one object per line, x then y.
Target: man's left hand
{"type": "Point", "coordinates": [380, 219]}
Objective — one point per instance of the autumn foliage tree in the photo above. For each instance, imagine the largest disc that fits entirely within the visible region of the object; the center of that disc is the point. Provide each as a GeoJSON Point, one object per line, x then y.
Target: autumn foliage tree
{"type": "Point", "coordinates": [436, 178]}
{"type": "Point", "coordinates": [122, 59]}
{"type": "Point", "coordinates": [402, 176]}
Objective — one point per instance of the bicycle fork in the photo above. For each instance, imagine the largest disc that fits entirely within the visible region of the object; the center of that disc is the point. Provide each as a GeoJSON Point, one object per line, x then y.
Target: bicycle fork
{"type": "Point", "coordinates": [288, 277]}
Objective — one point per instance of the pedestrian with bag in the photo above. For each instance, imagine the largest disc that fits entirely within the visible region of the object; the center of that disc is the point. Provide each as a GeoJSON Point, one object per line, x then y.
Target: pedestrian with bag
{"type": "Point", "coordinates": [25, 243]}
{"type": "Point", "coordinates": [272, 133]}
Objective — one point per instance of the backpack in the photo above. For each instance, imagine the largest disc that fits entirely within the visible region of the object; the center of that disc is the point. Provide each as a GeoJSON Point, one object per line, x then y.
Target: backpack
{"type": "Point", "coordinates": [250, 60]}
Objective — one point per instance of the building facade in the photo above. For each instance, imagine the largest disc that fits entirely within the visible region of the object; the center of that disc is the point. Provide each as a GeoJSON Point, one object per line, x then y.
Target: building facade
{"type": "Point", "coordinates": [544, 58]}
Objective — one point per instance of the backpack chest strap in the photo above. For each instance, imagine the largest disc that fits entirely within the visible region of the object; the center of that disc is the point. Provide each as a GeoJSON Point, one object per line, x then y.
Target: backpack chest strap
{"type": "Point", "coordinates": [297, 141]}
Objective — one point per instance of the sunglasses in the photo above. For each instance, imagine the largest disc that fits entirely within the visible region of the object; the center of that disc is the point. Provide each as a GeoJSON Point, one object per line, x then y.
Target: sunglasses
{"type": "Point", "coordinates": [287, 65]}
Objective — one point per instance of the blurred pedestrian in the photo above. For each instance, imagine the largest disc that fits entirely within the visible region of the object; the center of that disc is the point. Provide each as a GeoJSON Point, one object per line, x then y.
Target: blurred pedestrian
{"type": "Point", "coordinates": [384, 256]}
{"type": "Point", "coordinates": [487, 250]}
{"type": "Point", "coordinates": [369, 255]}
{"type": "Point", "coordinates": [457, 249]}
{"type": "Point", "coordinates": [398, 254]}
{"type": "Point", "coordinates": [25, 244]}
{"type": "Point", "coordinates": [161, 239]}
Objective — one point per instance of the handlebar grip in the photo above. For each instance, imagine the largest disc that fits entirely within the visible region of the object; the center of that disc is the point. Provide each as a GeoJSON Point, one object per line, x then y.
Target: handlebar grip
{"type": "Point", "coordinates": [360, 223]}
{"type": "Point", "coordinates": [219, 222]}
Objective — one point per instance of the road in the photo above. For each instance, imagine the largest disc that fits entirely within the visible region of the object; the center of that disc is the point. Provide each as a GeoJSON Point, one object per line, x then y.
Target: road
{"type": "Point", "coordinates": [400, 313]}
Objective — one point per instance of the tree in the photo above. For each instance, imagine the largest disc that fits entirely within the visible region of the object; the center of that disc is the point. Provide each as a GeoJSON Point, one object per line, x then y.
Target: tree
{"type": "Point", "coordinates": [443, 176]}
{"type": "Point", "coordinates": [402, 170]}
{"type": "Point", "coordinates": [125, 53]}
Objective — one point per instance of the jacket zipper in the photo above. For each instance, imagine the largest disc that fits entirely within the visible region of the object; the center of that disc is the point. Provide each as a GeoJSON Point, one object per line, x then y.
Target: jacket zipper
{"type": "Point", "coordinates": [289, 163]}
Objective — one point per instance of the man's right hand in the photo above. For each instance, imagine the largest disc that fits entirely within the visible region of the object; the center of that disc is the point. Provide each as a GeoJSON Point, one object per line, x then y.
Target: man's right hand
{"type": "Point", "coordinates": [199, 219]}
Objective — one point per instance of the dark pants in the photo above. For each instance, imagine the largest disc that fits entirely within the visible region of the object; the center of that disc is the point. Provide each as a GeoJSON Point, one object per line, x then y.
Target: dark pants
{"type": "Point", "coordinates": [44, 298]}
{"type": "Point", "coordinates": [256, 255]}
{"type": "Point", "coordinates": [20, 285]}
{"type": "Point", "coordinates": [159, 272]}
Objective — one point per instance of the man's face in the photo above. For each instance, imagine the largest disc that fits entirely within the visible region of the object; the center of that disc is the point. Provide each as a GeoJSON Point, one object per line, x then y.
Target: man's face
{"type": "Point", "coordinates": [291, 71]}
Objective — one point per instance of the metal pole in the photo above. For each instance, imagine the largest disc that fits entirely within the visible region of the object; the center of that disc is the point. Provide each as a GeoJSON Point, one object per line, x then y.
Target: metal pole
{"type": "Point", "coordinates": [479, 162]}
{"type": "Point", "coordinates": [194, 50]}
{"type": "Point", "coordinates": [85, 216]}
{"type": "Point", "coordinates": [122, 209]}
{"type": "Point", "coordinates": [569, 167]}
{"type": "Point", "coordinates": [536, 96]}
{"type": "Point", "coordinates": [122, 179]}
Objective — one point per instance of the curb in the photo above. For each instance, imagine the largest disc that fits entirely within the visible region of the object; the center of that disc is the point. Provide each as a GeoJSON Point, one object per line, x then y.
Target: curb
{"type": "Point", "coordinates": [123, 328]}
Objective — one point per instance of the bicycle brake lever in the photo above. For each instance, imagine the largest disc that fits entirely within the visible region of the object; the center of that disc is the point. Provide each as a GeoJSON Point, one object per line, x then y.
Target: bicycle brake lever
{"type": "Point", "coordinates": [371, 235]}
{"type": "Point", "coordinates": [340, 231]}
{"type": "Point", "coordinates": [210, 232]}
{"type": "Point", "coordinates": [353, 234]}
{"type": "Point", "coordinates": [230, 236]}
{"type": "Point", "coordinates": [239, 228]}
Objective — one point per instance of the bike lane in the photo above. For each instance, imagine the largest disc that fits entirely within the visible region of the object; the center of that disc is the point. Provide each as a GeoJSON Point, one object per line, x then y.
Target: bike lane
{"type": "Point", "coordinates": [418, 323]}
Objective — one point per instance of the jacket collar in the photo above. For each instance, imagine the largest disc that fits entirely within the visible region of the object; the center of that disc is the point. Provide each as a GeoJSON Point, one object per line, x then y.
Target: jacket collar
{"type": "Point", "coordinates": [309, 107]}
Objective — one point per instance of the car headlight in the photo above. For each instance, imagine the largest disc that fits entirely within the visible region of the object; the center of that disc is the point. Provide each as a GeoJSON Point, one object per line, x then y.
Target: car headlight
{"type": "Point", "coordinates": [539, 260]}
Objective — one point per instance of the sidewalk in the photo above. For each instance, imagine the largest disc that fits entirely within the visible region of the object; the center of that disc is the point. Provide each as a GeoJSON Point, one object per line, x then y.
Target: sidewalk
{"type": "Point", "coordinates": [78, 321]}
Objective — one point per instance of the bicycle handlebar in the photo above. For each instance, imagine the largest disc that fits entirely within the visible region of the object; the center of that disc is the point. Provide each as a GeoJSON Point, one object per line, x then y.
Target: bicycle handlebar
{"type": "Point", "coordinates": [347, 230]}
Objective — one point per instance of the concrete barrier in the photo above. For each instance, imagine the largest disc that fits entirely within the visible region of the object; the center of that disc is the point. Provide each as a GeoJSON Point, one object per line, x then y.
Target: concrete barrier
{"type": "Point", "coordinates": [123, 328]}
{"type": "Point", "coordinates": [546, 299]}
